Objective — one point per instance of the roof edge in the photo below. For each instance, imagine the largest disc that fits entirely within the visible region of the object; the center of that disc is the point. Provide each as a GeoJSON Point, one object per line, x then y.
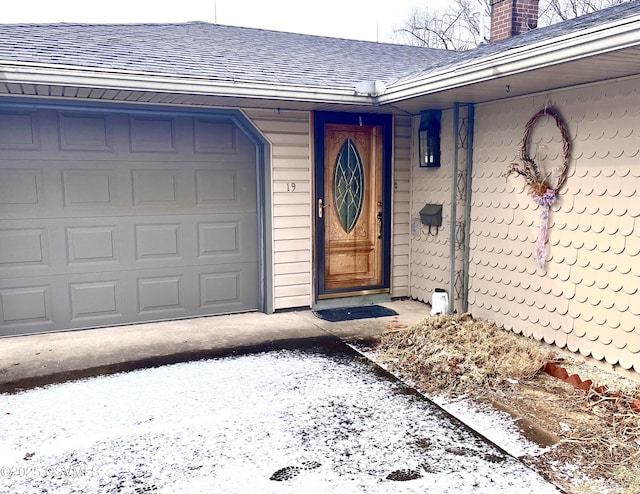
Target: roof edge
{"type": "Point", "coordinates": [615, 36]}
{"type": "Point", "coordinates": [36, 74]}
{"type": "Point", "coordinates": [612, 36]}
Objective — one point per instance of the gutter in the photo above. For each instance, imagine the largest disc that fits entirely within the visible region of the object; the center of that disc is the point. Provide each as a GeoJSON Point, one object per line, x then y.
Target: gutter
{"type": "Point", "coordinates": [574, 46]}
{"type": "Point", "coordinates": [17, 73]}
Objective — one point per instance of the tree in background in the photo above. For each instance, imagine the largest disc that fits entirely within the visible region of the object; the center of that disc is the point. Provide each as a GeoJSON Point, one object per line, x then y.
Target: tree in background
{"type": "Point", "coordinates": [464, 24]}
{"type": "Point", "coordinates": [561, 10]}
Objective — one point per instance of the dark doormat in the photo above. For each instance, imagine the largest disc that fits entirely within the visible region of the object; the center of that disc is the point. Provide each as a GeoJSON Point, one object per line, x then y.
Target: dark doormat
{"type": "Point", "coordinates": [351, 313]}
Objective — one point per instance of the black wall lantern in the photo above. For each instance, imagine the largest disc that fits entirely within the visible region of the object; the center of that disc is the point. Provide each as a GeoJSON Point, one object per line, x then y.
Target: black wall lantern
{"type": "Point", "coordinates": [429, 138]}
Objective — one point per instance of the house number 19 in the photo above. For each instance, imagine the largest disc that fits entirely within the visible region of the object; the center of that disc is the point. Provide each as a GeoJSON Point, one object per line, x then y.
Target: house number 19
{"type": "Point", "coordinates": [291, 187]}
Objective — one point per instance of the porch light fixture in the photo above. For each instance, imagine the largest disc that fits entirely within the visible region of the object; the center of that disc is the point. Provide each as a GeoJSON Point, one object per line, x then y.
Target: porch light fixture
{"type": "Point", "coordinates": [429, 138]}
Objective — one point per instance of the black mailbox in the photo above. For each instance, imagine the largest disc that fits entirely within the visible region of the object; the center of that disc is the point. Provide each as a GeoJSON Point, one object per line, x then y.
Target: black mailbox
{"type": "Point", "coordinates": [431, 215]}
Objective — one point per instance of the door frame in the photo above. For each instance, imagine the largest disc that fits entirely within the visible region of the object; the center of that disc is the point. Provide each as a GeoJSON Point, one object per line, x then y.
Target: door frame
{"type": "Point", "coordinates": [321, 118]}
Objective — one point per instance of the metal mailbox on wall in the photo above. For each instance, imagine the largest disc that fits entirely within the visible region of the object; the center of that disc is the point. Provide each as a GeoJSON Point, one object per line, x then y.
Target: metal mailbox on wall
{"type": "Point", "coordinates": [431, 215]}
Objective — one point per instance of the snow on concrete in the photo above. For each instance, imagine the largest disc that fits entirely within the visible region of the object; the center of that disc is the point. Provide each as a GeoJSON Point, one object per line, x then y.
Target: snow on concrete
{"type": "Point", "coordinates": [321, 423]}
{"type": "Point", "coordinates": [497, 426]}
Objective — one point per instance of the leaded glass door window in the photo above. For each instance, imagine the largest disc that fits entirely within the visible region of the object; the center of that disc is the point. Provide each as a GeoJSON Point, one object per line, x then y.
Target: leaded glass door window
{"type": "Point", "coordinates": [348, 185]}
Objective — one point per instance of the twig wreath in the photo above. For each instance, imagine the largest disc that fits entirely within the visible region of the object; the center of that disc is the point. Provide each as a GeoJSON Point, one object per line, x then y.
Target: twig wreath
{"type": "Point", "coordinates": [541, 188]}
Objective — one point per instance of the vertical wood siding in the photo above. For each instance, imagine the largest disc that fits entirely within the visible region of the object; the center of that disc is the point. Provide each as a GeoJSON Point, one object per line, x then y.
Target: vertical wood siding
{"type": "Point", "coordinates": [586, 299]}
{"type": "Point", "coordinates": [289, 135]}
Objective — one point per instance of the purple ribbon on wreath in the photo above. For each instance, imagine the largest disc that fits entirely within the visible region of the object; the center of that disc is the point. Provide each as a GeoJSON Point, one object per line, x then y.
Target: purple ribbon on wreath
{"type": "Point", "coordinates": [545, 201]}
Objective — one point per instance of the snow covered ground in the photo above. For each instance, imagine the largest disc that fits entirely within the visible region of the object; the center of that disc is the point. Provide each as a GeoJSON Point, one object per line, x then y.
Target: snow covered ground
{"type": "Point", "coordinates": [278, 422]}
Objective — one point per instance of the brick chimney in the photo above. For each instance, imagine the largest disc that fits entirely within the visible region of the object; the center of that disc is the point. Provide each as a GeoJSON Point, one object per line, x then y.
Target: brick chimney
{"type": "Point", "coordinates": [512, 17]}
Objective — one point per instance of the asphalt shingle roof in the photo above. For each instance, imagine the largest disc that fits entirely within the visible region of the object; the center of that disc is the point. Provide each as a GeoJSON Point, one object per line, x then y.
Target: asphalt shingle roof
{"type": "Point", "coordinates": [228, 53]}
{"type": "Point", "coordinates": [214, 51]}
{"type": "Point", "coordinates": [586, 21]}
{"type": "Point", "coordinates": [537, 35]}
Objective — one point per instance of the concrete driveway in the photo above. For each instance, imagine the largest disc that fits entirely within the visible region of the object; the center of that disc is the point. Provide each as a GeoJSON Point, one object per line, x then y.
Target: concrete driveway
{"type": "Point", "coordinates": [318, 420]}
{"type": "Point", "coordinates": [28, 361]}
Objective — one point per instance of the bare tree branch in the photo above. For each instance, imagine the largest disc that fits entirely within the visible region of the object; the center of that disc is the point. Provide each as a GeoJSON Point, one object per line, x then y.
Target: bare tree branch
{"type": "Point", "coordinates": [552, 11]}
{"type": "Point", "coordinates": [460, 25]}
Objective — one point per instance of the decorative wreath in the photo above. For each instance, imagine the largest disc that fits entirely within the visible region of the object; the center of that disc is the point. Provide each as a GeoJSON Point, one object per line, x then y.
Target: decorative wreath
{"type": "Point", "coordinates": [538, 183]}
{"type": "Point", "coordinates": [543, 192]}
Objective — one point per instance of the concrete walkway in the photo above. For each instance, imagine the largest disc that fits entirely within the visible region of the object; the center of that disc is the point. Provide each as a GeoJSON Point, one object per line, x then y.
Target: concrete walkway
{"type": "Point", "coordinates": [27, 361]}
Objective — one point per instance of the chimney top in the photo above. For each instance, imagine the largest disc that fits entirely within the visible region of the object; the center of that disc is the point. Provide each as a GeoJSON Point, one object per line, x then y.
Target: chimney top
{"type": "Point", "coordinates": [512, 17]}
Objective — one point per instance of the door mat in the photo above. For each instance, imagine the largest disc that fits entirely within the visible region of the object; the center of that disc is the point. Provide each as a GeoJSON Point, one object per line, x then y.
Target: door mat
{"type": "Point", "coordinates": [351, 313]}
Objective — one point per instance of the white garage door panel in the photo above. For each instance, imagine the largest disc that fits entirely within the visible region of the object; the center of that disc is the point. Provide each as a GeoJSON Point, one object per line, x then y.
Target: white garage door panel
{"type": "Point", "coordinates": [163, 225]}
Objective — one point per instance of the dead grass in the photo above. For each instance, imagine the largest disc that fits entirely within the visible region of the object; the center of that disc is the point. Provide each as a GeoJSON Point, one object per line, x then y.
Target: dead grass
{"type": "Point", "coordinates": [460, 355]}
{"type": "Point", "coordinates": [598, 448]}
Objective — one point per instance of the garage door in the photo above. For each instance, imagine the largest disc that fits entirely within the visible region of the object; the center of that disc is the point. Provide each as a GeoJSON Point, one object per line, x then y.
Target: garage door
{"type": "Point", "coordinates": [110, 218]}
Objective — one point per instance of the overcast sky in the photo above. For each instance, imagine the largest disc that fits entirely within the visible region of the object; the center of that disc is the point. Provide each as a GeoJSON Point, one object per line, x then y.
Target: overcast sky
{"type": "Point", "coordinates": [370, 20]}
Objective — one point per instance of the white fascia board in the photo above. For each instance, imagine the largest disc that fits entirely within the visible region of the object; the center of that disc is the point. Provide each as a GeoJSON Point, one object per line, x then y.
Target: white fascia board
{"type": "Point", "coordinates": [24, 73]}
{"type": "Point", "coordinates": [563, 49]}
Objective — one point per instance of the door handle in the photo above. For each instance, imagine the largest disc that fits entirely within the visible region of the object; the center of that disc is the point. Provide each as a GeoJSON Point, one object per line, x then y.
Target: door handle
{"type": "Point", "coordinates": [321, 207]}
{"type": "Point", "coordinates": [379, 216]}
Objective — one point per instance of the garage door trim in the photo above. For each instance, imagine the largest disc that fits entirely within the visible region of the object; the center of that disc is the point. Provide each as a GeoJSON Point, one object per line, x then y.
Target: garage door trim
{"type": "Point", "coordinates": [237, 118]}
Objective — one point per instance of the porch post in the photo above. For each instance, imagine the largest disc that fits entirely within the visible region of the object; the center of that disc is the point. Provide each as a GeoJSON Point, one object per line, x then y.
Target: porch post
{"type": "Point", "coordinates": [467, 208]}
{"type": "Point", "coordinates": [454, 198]}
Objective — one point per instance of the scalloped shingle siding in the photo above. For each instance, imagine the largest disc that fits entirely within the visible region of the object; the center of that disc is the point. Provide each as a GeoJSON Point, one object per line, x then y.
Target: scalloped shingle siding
{"type": "Point", "coordinates": [430, 249]}
{"type": "Point", "coordinates": [588, 297]}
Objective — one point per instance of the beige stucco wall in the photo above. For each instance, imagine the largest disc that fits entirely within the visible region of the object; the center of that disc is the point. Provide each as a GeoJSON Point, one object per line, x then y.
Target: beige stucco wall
{"type": "Point", "coordinates": [587, 299]}
{"type": "Point", "coordinates": [289, 133]}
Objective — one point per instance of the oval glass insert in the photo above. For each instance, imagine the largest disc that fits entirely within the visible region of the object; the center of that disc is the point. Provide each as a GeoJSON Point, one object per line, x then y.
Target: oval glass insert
{"type": "Point", "coordinates": [348, 185]}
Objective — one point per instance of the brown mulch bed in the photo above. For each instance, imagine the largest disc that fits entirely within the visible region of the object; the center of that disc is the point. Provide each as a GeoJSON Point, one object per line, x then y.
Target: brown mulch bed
{"type": "Point", "coordinates": [595, 427]}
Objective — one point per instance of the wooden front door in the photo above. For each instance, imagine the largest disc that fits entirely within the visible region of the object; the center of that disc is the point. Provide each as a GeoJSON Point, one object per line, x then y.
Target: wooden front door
{"type": "Point", "coordinates": [352, 211]}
